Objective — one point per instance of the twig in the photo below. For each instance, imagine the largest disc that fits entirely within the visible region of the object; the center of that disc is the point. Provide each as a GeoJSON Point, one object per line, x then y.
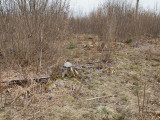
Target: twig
{"type": "Point", "coordinates": [97, 98]}
{"type": "Point", "coordinates": [144, 96]}
{"type": "Point", "coordinates": [79, 89]}
{"type": "Point", "coordinates": [41, 52]}
{"type": "Point", "coordinates": [139, 107]}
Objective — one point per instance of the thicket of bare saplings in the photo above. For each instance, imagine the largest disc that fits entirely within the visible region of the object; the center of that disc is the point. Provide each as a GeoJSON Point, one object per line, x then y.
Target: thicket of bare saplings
{"type": "Point", "coordinates": [118, 20]}
{"type": "Point", "coordinates": [30, 30]}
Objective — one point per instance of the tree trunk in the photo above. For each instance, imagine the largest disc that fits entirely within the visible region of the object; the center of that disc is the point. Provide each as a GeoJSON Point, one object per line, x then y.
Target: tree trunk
{"type": "Point", "coordinates": [137, 6]}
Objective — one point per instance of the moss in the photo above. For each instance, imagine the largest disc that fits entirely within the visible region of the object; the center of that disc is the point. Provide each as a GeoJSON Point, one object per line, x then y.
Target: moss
{"type": "Point", "coordinates": [129, 40]}
{"type": "Point", "coordinates": [71, 45]}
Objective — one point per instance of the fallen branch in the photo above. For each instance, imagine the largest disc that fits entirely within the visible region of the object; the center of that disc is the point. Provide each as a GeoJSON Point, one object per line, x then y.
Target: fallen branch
{"type": "Point", "coordinates": [97, 98]}
{"type": "Point", "coordinates": [157, 113]}
{"type": "Point", "coordinates": [16, 82]}
{"type": "Point", "coordinates": [24, 82]}
{"type": "Point", "coordinates": [43, 80]}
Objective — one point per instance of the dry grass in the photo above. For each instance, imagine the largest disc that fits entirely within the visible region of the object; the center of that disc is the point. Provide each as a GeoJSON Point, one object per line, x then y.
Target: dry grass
{"type": "Point", "coordinates": [108, 92]}
{"type": "Point", "coordinates": [117, 79]}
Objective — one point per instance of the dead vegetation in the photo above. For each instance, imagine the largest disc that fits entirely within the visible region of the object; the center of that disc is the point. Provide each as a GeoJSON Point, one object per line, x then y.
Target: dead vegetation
{"type": "Point", "coordinates": [113, 57]}
{"type": "Point", "coordinates": [31, 30]}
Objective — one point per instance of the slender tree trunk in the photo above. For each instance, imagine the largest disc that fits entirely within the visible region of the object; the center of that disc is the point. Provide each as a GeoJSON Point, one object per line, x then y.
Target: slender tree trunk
{"type": "Point", "coordinates": [40, 60]}
{"type": "Point", "coordinates": [137, 6]}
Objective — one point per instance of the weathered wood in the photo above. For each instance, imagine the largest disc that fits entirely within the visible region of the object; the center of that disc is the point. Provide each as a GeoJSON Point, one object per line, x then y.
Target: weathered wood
{"type": "Point", "coordinates": [16, 82]}
{"type": "Point", "coordinates": [97, 98]}
{"type": "Point", "coordinates": [42, 80]}
{"type": "Point", "coordinates": [25, 81]}
{"type": "Point", "coordinates": [157, 113]}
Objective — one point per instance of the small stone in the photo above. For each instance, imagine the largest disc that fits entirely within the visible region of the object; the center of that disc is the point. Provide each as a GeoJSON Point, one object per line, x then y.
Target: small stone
{"type": "Point", "coordinates": [67, 64]}
{"type": "Point", "coordinates": [61, 84]}
{"type": "Point", "coordinates": [115, 95]}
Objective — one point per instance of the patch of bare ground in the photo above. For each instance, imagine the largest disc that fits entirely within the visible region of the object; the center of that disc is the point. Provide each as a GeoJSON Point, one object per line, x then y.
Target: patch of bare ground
{"type": "Point", "coordinates": [124, 85]}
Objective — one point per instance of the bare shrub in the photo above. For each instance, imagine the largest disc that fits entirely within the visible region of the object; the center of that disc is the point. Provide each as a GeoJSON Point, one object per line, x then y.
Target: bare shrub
{"type": "Point", "coordinates": [29, 30]}
{"type": "Point", "coordinates": [117, 20]}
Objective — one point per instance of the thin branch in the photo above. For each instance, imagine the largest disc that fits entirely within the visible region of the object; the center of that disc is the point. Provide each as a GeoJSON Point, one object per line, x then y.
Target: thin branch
{"type": "Point", "coordinates": [97, 98]}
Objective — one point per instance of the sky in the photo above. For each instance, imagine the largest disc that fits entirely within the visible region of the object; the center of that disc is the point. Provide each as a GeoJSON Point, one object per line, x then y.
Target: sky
{"type": "Point", "coordinates": [88, 5]}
